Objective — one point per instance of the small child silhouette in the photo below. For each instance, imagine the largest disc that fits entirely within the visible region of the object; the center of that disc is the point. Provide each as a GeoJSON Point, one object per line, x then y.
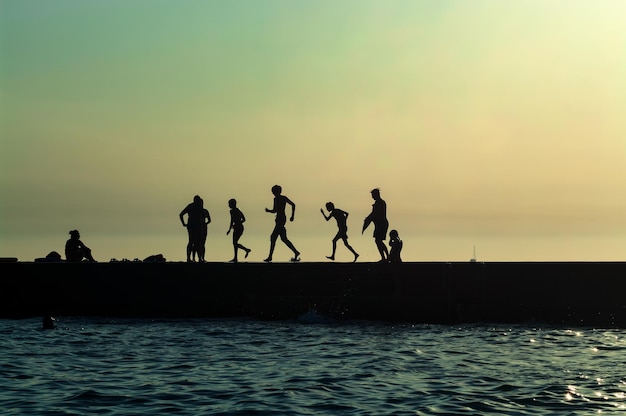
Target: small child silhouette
{"type": "Point", "coordinates": [342, 233]}
{"type": "Point", "coordinates": [396, 247]}
{"type": "Point", "coordinates": [236, 224]}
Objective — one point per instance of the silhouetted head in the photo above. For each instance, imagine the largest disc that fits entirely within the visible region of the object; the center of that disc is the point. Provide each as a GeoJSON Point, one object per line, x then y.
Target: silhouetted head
{"type": "Point", "coordinates": [277, 189]}
{"type": "Point", "coordinates": [393, 234]}
{"type": "Point", "coordinates": [330, 206]}
{"type": "Point", "coordinates": [197, 199]}
{"type": "Point", "coordinates": [376, 193]}
{"type": "Point", "coordinates": [75, 234]}
{"type": "Point", "coordinates": [232, 203]}
{"type": "Point", "coordinates": [47, 322]}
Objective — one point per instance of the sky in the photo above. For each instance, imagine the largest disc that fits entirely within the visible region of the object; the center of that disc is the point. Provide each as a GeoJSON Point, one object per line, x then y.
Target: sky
{"type": "Point", "coordinates": [490, 124]}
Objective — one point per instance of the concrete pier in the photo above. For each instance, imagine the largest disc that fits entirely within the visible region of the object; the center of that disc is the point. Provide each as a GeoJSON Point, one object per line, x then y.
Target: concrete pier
{"type": "Point", "coordinates": [569, 293]}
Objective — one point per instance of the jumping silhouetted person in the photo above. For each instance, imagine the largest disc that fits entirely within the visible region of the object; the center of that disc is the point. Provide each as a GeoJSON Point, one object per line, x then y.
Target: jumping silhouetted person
{"type": "Point", "coordinates": [280, 202]}
{"type": "Point", "coordinates": [75, 250]}
{"type": "Point", "coordinates": [236, 224]}
{"type": "Point", "coordinates": [342, 219]}
{"type": "Point", "coordinates": [197, 220]}
{"type": "Point", "coordinates": [379, 217]}
{"type": "Point", "coordinates": [396, 247]}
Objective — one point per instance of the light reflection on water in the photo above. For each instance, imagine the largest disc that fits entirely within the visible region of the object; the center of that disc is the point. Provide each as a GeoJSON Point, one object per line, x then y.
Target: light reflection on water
{"type": "Point", "coordinates": [119, 367]}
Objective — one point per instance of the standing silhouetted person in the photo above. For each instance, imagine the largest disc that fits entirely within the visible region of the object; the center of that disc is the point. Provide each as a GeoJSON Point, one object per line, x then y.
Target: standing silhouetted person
{"type": "Point", "coordinates": [342, 220]}
{"type": "Point", "coordinates": [197, 220]}
{"type": "Point", "coordinates": [379, 217]}
{"type": "Point", "coordinates": [201, 246]}
{"type": "Point", "coordinates": [75, 250]}
{"type": "Point", "coordinates": [236, 224]}
{"type": "Point", "coordinates": [280, 202]}
{"type": "Point", "coordinates": [396, 247]}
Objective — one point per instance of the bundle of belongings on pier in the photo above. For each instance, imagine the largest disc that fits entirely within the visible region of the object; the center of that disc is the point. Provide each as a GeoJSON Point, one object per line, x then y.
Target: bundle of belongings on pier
{"type": "Point", "coordinates": [155, 258]}
{"type": "Point", "coordinates": [52, 257]}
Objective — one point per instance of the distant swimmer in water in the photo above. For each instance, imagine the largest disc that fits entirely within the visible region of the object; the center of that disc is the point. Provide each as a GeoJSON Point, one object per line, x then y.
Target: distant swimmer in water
{"type": "Point", "coordinates": [75, 250]}
{"type": "Point", "coordinates": [280, 202]}
{"type": "Point", "coordinates": [379, 217]}
{"type": "Point", "coordinates": [47, 322]}
{"type": "Point", "coordinates": [236, 225]}
{"type": "Point", "coordinates": [396, 247]}
{"type": "Point", "coordinates": [342, 234]}
{"type": "Point", "coordinates": [197, 220]}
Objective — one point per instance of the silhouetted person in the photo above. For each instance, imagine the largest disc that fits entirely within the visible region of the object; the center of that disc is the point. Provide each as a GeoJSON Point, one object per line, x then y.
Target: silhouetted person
{"type": "Point", "coordinates": [342, 220]}
{"type": "Point", "coordinates": [379, 217]}
{"type": "Point", "coordinates": [75, 250]}
{"type": "Point", "coordinates": [197, 220]}
{"type": "Point", "coordinates": [280, 202]}
{"type": "Point", "coordinates": [396, 247]}
{"type": "Point", "coordinates": [201, 246]}
{"type": "Point", "coordinates": [236, 225]}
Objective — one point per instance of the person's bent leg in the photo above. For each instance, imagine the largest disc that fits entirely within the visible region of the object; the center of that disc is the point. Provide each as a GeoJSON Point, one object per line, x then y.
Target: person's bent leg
{"type": "Point", "coordinates": [296, 253]}
{"type": "Point", "coordinates": [382, 250]}
{"type": "Point", "coordinates": [273, 238]}
{"type": "Point", "coordinates": [332, 256]}
{"type": "Point", "coordinates": [345, 242]}
{"type": "Point", "coordinates": [87, 254]}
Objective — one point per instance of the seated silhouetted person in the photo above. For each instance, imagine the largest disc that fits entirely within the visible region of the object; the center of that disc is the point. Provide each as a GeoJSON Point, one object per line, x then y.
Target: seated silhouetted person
{"type": "Point", "coordinates": [75, 250]}
{"type": "Point", "coordinates": [396, 247]}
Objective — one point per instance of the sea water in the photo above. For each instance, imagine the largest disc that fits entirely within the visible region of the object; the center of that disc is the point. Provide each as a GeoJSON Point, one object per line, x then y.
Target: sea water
{"type": "Point", "coordinates": [306, 367]}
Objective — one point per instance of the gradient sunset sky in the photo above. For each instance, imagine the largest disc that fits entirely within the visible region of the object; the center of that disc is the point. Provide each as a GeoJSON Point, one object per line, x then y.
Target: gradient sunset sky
{"type": "Point", "coordinates": [499, 124]}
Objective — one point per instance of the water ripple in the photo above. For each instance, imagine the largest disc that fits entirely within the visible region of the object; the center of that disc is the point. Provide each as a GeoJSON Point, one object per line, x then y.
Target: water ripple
{"type": "Point", "coordinates": [230, 367]}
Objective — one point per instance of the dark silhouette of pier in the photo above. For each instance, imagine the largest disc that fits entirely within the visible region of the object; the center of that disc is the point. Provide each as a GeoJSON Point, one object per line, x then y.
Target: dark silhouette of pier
{"type": "Point", "coordinates": [563, 293]}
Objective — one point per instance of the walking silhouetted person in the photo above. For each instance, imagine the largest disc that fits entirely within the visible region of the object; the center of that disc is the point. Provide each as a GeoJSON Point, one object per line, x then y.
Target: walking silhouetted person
{"type": "Point", "coordinates": [396, 247]}
{"type": "Point", "coordinates": [378, 216]}
{"type": "Point", "coordinates": [280, 203]}
{"type": "Point", "coordinates": [75, 250]}
{"type": "Point", "coordinates": [198, 219]}
{"type": "Point", "coordinates": [342, 233]}
{"type": "Point", "coordinates": [236, 225]}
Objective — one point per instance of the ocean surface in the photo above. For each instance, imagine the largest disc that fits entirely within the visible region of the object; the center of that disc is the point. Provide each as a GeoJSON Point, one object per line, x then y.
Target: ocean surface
{"type": "Point", "coordinates": [102, 366]}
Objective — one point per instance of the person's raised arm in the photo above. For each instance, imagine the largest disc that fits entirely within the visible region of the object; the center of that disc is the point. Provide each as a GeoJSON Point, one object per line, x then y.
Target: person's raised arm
{"type": "Point", "coordinates": [325, 217]}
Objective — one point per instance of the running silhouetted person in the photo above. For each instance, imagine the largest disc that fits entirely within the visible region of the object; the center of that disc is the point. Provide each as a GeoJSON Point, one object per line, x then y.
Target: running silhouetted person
{"type": "Point", "coordinates": [75, 250]}
{"type": "Point", "coordinates": [342, 219]}
{"type": "Point", "coordinates": [236, 225]}
{"type": "Point", "coordinates": [396, 247]}
{"type": "Point", "coordinates": [280, 202]}
{"type": "Point", "coordinates": [379, 217]}
{"type": "Point", "coordinates": [197, 220]}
